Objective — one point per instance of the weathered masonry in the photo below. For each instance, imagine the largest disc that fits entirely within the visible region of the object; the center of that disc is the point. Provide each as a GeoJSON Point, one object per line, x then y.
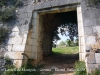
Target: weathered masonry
{"type": "Point", "coordinates": [29, 40]}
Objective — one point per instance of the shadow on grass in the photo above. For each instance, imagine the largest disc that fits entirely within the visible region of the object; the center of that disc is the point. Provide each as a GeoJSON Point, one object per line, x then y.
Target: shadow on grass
{"type": "Point", "coordinates": [66, 56]}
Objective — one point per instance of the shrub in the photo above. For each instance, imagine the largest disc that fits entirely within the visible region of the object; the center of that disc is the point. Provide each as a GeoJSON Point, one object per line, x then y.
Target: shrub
{"type": "Point", "coordinates": [3, 32]}
{"type": "Point", "coordinates": [8, 8]}
{"type": "Point", "coordinates": [80, 68]}
{"type": "Point", "coordinates": [7, 14]}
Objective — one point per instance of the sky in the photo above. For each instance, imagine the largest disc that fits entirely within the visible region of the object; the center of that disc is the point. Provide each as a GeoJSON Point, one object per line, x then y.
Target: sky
{"type": "Point", "coordinates": [63, 38]}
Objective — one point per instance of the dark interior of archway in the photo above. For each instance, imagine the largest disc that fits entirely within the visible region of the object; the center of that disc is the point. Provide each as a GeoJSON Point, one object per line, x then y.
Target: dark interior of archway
{"type": "Point", "coordinates": [50, 23]}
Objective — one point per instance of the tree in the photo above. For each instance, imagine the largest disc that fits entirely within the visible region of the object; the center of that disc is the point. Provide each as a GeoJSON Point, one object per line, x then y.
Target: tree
{"type": "Point", "coordinates": [62, 43]}
{"type": "Point", "coordinates": [66, 23]}
{"type": "Point", "coordinates": [77, 42]}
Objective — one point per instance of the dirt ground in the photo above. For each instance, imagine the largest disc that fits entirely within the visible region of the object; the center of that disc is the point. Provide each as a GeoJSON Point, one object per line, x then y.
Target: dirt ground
{"type": "Point", "coordinates": [60, 64]}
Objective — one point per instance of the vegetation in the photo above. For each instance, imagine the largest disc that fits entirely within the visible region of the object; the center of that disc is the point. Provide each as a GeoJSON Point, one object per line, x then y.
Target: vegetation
{"type": "Point", "coordinates": [66, 50]}
{"type": "Point", "coordinates": [7, 13]}
{"type": "Point", "coordinates": [80, 68]}
{"type": "Point", "coordinates": [7, 9]}
{"type": "Point", "coordinates": [69, 25]}
{"type": "Point", "coordinates": [62, 43]}
{"type": "Point", "coordinates": [3, 32]}
{"type": "Point", "coordinates": [94, 3]}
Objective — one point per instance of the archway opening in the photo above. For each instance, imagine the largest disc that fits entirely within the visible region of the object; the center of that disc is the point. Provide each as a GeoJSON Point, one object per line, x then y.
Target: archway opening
{"type": "Point", "coordinates": [51, 23]}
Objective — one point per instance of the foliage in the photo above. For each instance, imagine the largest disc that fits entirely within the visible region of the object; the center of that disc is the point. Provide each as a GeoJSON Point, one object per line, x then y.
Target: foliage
{"type": "Point", "coordinates": [68, 42]}
{"type": "Point", "coordinates": [62, 43]}
{"type": "Point", "coordinates": [54, 45]}
{"type": "Point", "coordinates": [7, 58]}
{"type": "Point", "coordinates": [67, 24]}
{"type": "Point", "coordinates": [77, 42]}
{"type": "Point", "coordinates": [7, 14]}
{"type": "Point", "coordinates": [3, 32]}
{"type": "Point", "coordinates": [94, 3]}
{"type": "Point", "coordinates": [7, 11]}
{"type": "Point", "coordinates": [80, 68]}
{"type": "Point", "coordinates": [3, 2]}
{"type": "Point", "coordinates": [96, 72]}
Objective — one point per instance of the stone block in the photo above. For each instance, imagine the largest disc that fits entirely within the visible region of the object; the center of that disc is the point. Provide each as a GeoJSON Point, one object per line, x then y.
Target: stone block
{"type": "Point", "coordinates": [90, 40]}
{"type": "Point", "coordinates": [96, 46]}
{"type": "Point", "coordinates": [89, 21]}
{"type": "Point", "coordinates": [98, 29]}
{"type": "Point", "coordinates": [93, 13]}
{"type": "Point", "coordinates": [14, 55]}
{"type": "Point", "coordinates": [38, 6]}
{"type": "Point", "coordinates": [15, 28]}
{"type": "Point", "coordinates": [82, 41]}
{"type": "Point", "coordinates": [94, 29]}
{"type": "Point", "coordinates": [25, 35]}
{"type": "Point", "coordinates": [98, 21]}
{"type": "Point", "coordinates": [29, 54]}
{"type": "Point", "coordinates": [82, 56]}
{"type": "Point", "coordinates": [90, 67]}
{"type": "Point", "coordinates": [30, 8]}
{"type": "Point", "coordinates": [15, 34]}
{"type": "Point", "coordinates": [9, 47]}
{"type": "Point", "coordinates": [23, 15]}
{"type": "Point", "coordinates": [34, 49]}
{"type": "Point", "coordinates": [17, 63]}
{"type": "Point", "coordinates": [18, 48]}
{"type": "Point", "coordinates": [88, 48]}
{"type": "Point", "coordinates": [98, 11]}
{"type": "Point", "coordinates": [82, 49]}
{"type": "Point", "coordinates": [91, 58]}
{"type": "Point", "coordinates": [34, 35]}
{"type": "Point", "coordinates": [28, 48]}
{"type": "Point", "coordinates": [46, 4]}
{"type": "Point", "coordinates": [24, 41]}
{"type": "Point", "coordinates": [15, 41]}
{"type": "Point", "coordinates": [84, 7]}
{"type": "Point", "coordinates": [34, 55]}
{"type": "Point", "coordinates": [24, 27]}
{"type": "Point", "coordinates": [63, 2]}
{"type": "Point", "coordinates": [29, 41]}
{"type": "Point", "coordinates": [29, 14]}
{"type": "Point", "coordinates": [88, 30]}
{"type": "Point", "coordinates": [80, 29]}
{"type": "Point", "coordinates": [20, 11]}
{"type": "Point", "coordinates": [35, 15]}
{"type": "Point", "coordinates": [34, 22]}
{"type": "Point", "coordinates": [28, 19]}
{"type": "Point", "coordinates": [79, 14]}
{"type": "Point", "coordinates": [79, 9]}
{"type": "Point", "coordinates": [97, 57]}
{"type": "Point", "coordinates": [54, 3]}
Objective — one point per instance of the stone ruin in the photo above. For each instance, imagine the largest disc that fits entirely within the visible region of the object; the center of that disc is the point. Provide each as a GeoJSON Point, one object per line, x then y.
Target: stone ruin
{"type": "Point", "coordinates": [27, 32]}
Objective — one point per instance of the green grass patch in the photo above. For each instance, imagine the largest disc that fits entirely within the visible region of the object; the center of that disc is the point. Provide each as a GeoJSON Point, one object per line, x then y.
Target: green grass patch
{"type": "Point", "coordinates": [66, 50]}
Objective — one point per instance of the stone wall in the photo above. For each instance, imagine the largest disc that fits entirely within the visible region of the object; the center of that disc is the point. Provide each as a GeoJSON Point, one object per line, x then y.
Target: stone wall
{"type": "Point", "coordinates": [15, 43]}
{"type": "Point", "coordinates": [91, 24]}
{"type": "Point", "coordinates": [26, 37]}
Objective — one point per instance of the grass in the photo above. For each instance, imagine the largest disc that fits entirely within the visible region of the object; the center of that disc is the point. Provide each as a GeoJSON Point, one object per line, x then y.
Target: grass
{"type": "Point", "coordinates": [66, 50]}
{"type": "Point", "coordinates": [80, 68]}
